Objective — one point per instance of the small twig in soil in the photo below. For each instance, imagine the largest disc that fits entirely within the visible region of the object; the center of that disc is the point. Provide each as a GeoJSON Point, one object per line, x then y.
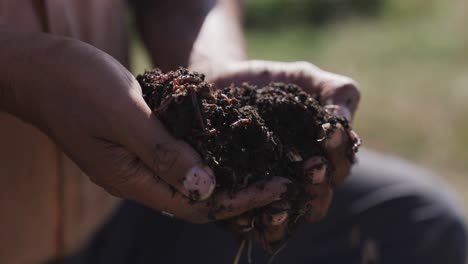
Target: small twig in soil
{"type": "Point", "coordinates": [239, 252]}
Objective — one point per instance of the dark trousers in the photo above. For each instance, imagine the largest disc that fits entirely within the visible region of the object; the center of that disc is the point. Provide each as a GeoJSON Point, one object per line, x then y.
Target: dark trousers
{"type": "Point", "coordinates": [387, 211]}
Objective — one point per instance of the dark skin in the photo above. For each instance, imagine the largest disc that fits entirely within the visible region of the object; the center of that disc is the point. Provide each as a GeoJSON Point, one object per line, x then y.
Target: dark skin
{"type": "Point", "coordinates": [119, 142]}
{"type": "Point", "coordinates": [169, 28]}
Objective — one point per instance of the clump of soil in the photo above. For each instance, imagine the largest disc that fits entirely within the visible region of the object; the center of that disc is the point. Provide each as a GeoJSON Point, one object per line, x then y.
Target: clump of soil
{"type": "Point", "coordinates": [245, 134]}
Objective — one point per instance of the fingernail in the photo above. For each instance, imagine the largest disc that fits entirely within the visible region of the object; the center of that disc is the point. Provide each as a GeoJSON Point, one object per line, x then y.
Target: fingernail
{"type": "Point", "coordinates": [200, 183]}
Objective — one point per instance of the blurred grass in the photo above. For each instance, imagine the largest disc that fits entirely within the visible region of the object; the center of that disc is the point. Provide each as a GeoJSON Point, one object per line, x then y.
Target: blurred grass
{"type": "Point", "coordinates": [412, 66]}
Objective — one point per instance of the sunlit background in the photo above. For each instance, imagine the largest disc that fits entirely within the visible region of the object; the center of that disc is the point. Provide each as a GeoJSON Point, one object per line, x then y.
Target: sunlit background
{"type": "Point", "coordinates": [409, 56]}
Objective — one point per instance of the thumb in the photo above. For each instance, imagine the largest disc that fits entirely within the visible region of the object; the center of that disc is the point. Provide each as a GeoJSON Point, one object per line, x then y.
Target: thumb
{"type": "Point", "coordinates": [170, 159]}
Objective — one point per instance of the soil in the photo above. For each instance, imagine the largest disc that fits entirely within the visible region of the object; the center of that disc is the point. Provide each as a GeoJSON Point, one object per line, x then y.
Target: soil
{"type": "Point", "coordinates": [245, 134]}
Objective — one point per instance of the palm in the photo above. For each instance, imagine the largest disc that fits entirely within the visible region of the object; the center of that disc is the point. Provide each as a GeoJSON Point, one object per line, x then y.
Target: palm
{"type": "Point", "coordinates": [340, 96]}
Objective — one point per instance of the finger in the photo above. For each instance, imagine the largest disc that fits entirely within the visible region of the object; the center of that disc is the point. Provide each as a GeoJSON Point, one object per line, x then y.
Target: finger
{"type": "Point", "coordinates": [122, 174]}
{"type": "Point", "coordinates": [172, 160]}
{"type": "Point", "coordinates": [244, 223]}
{"type": "Point", "coordinates": [339, 90]}
{"type": "Point", "coordinates": [333, 135]}
{"type": "Point", "coordinates": [278, 218]}
{"type": "Point", "coordinates": [317, 208]}
{"type": "Point", "coordinates": [220, 206]}
{"type": "Point", "coordinates": [130, 178]}
{"type": "Point", "coordinates": [137, 183]}
{"type": "Point", "coordinates": [275, 233]}
{"type": "Point", "coordinates": [339, 111]}
{"type": "Point", "coordinates": [225, 205]}
{"type": "Point", "coordinates": [315, 169]}
{"type": "Point", "coordinates": [318, 186]}
{"type": "Point", "coordinates": [336, 144]}
{"type": "Point", "coordinates": [276, 213]}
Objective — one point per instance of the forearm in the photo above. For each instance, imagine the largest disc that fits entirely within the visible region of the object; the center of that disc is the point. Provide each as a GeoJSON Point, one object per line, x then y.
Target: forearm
{"type": "Point", "coordinates": [38, 68]}
{"type": "Point", "coordinates": [169, 28]}
{"type": "Point", "coordinates": [221, 40]}
{"type": "Point", "coordinates": [205, 34]}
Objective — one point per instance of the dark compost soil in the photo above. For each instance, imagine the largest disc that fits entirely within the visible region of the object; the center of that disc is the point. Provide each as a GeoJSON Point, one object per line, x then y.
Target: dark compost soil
{"type": "Point", "coordinates": [245, 134]}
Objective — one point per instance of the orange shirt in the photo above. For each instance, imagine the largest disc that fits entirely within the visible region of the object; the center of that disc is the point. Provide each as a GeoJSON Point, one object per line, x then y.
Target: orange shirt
{"type": "Point", "coordinates": [48, 207]}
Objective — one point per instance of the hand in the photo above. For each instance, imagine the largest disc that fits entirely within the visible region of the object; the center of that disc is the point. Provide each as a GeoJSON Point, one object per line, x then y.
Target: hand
{"type": "Point", "coordinates": [92, 107]}
{"type": "Point", "coordinates": [339, 95]}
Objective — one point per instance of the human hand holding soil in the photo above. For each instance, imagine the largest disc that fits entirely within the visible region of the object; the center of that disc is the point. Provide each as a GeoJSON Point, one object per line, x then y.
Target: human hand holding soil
{"type": "Point", "coordinates": [248, 134]}
{"type": "Point", "coordinates": [92, 107]}
{"type": "Point", "coordinates": [339, 95]}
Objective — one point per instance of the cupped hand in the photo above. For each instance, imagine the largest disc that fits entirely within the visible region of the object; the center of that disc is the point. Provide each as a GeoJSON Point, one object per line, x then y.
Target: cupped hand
{"type": "Point", "coordinates": [92, 107]}
{"type": "Point", "coordinates": [340, 96]}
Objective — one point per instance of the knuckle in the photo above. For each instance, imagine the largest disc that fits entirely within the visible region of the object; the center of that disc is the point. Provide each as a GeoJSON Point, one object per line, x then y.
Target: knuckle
{"type": "Point", "coordinates": [119, 182]}
{"type": "Point", "coordinates": [126, 173]}
{"type": "Point", "coordinates": [346, 95]}
{"type": "Point", "coordinates": [352, 88]}
{"type": "Point", "coordinates": [107, 183]}
{"type": "Point", "coordinates": [348, 88]}
{"type": "Point", "coordinates": [165, 157]}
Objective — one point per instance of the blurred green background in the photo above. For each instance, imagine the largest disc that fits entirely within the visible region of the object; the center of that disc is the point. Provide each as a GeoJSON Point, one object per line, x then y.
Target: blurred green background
{"type": "Point", "coordinates": [409, 56]}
